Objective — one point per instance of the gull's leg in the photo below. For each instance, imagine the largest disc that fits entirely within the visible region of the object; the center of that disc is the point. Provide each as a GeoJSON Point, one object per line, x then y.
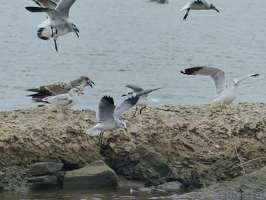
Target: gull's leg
{"type": "Point", "coordinates": [134, 115]}
{"type": "Point", "coordinates": [101, 138]}
{"type": "Point", "coordinates": [55, 44]}
{"type": "Point", "coordinates": [185, 17]}
{"type": "Point", "coordinates": [141, 109]}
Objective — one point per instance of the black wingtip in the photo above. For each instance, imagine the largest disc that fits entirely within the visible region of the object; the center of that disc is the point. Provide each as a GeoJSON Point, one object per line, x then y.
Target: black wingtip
{"type": "Point", "coordinates": [108, 99]}
{"type": "Point", "coordinates": [190, 71]}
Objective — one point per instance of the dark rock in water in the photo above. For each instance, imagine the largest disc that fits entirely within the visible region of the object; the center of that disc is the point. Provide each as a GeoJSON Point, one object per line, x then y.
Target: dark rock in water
{"type": "Point", "coordinates": [42, 182]}
{"type": "Point", "coordinates": [95, 175]}
{"type": "Point", "coordinates": [45, 168]}
{"type": "Point", "coordinates": [152, 166]}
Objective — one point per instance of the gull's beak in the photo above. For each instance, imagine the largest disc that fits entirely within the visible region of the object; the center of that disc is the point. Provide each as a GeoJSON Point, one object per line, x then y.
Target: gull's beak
{"type": "Point", "coordinates": [90, 83]}
{"type": "Point", "coordinates": [216, 10]}
{"type": "Point", "coordinates": [77, 32]}
{"type": "Point", "coordinates": [126, 129]}
{"type": "Point", "coordinates": [124, 95]}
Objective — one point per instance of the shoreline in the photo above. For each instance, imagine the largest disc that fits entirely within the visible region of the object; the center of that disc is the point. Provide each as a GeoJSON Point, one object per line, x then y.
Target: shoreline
{"type": "Point", "coordinates": [197, 146]}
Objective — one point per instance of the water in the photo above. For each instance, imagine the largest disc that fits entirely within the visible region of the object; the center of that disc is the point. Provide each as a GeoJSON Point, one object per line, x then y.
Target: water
{"type": "Point", "coordinates": [137, 42]}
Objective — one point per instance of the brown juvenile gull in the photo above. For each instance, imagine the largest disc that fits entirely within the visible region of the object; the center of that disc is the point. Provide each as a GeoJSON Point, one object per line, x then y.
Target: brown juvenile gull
{"type": "Point", "coordinates": [57, 21]}
{"type": "Point", "coordinates": [226, 94]}
{"type": "Point", "coordinates": [59, 87]}
{"type": "Point", "coordinates": [197, 5]}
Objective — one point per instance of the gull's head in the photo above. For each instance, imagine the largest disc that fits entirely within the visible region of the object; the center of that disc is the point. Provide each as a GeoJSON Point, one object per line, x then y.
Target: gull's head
{"type": "Point", "coordinates": [75, 91]}
{"type": "Point", "coordinates": [75, 29]}
{"type": "Point", "coordinates": [85, 81]}
{"type": "Point", "coordinates": [235, 82]}
{"type": "Point", "coordinates": [123, 125]}
{"type": "Point", "coordinates": [214, 8]}
{"type": "Point", "coordinates": [129, 94]}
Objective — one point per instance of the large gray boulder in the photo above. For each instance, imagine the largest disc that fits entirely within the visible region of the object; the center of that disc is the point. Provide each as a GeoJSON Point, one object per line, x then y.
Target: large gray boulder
{"type": "Point", "coordinates": [45, 168]}
{"type": "Point", "coordinates": [95, 175]}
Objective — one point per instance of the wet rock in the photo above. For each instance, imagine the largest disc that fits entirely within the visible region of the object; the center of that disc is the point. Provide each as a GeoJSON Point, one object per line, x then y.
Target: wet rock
{"type": "Point", "coordinates": [43, 168]}
{"type": "Point", "coordinates": [42, 182]}
{"type": "Point", "coordinates": [95, 175]}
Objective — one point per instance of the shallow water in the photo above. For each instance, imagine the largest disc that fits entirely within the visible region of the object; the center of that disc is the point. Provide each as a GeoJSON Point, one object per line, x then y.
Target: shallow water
{"type": "Point", "coordinates": [137, 42]}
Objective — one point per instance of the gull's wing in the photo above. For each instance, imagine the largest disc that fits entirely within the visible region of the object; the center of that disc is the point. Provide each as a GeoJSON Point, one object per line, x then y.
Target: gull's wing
{"type": "Point", "coordinates": [146, 92]}
{"type": "Point", "coordinates": [247, 76]}
{"type": "Point", "coordinates": [52, 14]}
{"type": "Point", "coordinates": [135, 88]}
{"type": "Point", "coordinates": [46, 3]}
{"type": "Point", "coordinates": [125, 105]}
{"type": "Point", "coordinates": [106, 109]}
{"type": "Point", "coordinates": [185, 7]}
{"type": "Point", "coordinates": [59, 100]}
{"type": "Point", "coordinates": [64, 6]}
{"type": "Point", "coordinates": [217, 75]}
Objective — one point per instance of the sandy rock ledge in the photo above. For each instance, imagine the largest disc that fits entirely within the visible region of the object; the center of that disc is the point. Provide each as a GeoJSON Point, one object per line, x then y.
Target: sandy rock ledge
{"type": "Point", "coordinates": [195, 145]}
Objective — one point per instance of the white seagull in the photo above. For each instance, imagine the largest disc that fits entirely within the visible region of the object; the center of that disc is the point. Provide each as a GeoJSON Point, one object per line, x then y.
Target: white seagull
{"type": "Point", "coordinates": [57, 18]}
{"type": "Point", "coordinates": [226, 94]}
{"type": "Point", "coordinates": [197, 5]}
{"type": "Point", "coordinates": [60, 87]}
{"type": "Point", "coordinates": [144, 99]}
{"type": "Point", "coordinates": [63, 101]}
{"type": "Point", "coordinates": [108, 115]}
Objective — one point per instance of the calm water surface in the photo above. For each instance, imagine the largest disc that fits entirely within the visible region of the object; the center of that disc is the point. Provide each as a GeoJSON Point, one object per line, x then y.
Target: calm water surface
{"type": "Point", "coordinates": [137, 42]}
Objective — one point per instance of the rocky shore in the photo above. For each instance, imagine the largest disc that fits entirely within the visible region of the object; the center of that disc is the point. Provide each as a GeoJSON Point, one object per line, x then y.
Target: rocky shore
{"type": "Point", "coordinates": [198, 146]}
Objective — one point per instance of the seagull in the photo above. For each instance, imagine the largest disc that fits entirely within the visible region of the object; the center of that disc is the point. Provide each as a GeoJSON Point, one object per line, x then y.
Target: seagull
{"type": "Point", "coordinates": [226, 94]}
{"type": "Point", "coordinates": [59, 87]}
{"type": "Point", "coordinates": [57, 18]}
{"type": "Point", "coordinates": [143, 99]}
{"type": "Point", "coordinates": [198, 5]}
{"type": "Point", "coordinates": [108, 115]}
{"type": "Point", "coordinates": [63, 101]}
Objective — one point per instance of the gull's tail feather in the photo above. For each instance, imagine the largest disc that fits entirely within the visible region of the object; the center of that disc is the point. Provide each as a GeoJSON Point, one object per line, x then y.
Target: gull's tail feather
{"type": "Point", "coordinates": [93, 132]}
{"type": "Point", "coordinates": [44, 33]}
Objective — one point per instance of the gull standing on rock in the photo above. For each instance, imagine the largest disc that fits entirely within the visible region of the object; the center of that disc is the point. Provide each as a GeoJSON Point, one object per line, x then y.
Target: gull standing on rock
{"type": "Point", "coordinates": [108, 115]}
{"type": "Point", "coordinates": [144, 100]}
{"type": "Point", "coordinates": [197, 5]}
{"type": "Point", "coordinates": [63, 101]}
{"type": "Point", "coordinates": [226, 94]}
{"type": "Point", "coordinates": [57, 18]}
{"type": "Point", "coordinates": [60, 87]}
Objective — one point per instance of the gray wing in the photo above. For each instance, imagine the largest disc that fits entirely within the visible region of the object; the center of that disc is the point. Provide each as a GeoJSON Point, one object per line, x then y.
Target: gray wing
{"type": "Point", "coordinates": [135, 88]}
{"type": "Point", "coordinates": [50, 12]}
{"type": "Point", "coordinates": [217, 75]}
{"type": "Point", "coordinates": [146, 92]}
{"type": "Point", "coordinates": [59, 100]}
{"type": "Point", "coordinates": [125, 105]}
{"type": "Point", "coordinates": [64, 6]}
{"type": "Point", "coordinates": [247, 76]}
{"type": "Point", "coordinates": [106, 109]}
{"type": "Point", "coordinates": [46, 3]}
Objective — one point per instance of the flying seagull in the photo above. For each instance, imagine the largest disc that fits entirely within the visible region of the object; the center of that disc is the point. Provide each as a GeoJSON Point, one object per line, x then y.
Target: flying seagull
{"type": "Point", "coordinates": [197, 5]}
{"type": "Point", "coordinates": [144, 100]}
{"type": "Point", "coordinates": [57, 18]}
{"type": "Point", "coordinates": [226, 94]}
{"type": "Point", "coordinates": [108, 115]}
{"type": "Point", "coordinates": [60, 87]}
{"type": "Point", "coordinates": [63, 101]}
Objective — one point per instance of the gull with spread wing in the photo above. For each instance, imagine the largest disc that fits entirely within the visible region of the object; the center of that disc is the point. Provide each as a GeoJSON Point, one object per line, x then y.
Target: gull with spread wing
{"type": "Point", "coordinates": [108, 115]}
{"type": "Point", "coordinates": [144, 100]}
{"type": "Point", "coordinates": [226, 94]}
{"type": "Point", "coordinates": [197, 5]}
{"type": "Point", "coordinates": [60, 87]}
{"type": "Point", "coordinates": [57, 18]}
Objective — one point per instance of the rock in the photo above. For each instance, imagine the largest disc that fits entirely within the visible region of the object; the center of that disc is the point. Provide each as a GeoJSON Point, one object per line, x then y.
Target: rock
{"type": "Point", "coordinates": [44, 168]}
{"type": "Point", "coordinates": [42, 182]}
{"type": "Point", "coordinates": [174, 185]}
{"type": "Point", "coordinates": [95, 175]}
